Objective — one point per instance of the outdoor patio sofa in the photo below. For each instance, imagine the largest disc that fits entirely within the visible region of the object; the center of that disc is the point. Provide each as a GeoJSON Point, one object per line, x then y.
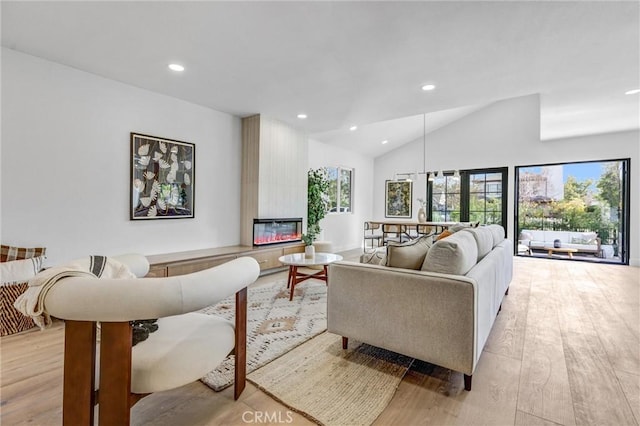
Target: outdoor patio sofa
{"type": "Point", "coordinates": [584, 242]}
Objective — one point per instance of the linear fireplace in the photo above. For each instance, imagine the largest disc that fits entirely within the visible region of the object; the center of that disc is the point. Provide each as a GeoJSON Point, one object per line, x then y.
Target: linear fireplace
{"type": "Point", "coordinates": [276, 231]}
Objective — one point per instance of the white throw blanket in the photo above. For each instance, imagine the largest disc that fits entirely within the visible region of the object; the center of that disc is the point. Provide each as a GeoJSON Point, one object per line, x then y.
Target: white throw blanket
{"type": "Point", "coordinates": [31, 302]}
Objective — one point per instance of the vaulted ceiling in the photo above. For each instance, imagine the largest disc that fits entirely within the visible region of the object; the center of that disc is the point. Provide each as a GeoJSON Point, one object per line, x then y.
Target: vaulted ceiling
{"type": "Point", "coordinates": [355, 63]}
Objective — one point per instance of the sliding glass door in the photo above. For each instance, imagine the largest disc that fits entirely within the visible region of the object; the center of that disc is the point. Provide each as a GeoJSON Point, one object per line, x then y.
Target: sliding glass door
{"type": "Point", "coordinates": [580, 206]}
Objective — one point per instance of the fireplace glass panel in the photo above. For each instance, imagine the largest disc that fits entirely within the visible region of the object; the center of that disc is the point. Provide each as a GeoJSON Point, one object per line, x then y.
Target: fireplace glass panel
{"type": "Point", "coordinates": [276, 231]}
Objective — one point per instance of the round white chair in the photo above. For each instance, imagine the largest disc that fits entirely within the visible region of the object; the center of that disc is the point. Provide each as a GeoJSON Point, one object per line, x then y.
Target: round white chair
{"type": "Point", "coordinates": [186, 346]}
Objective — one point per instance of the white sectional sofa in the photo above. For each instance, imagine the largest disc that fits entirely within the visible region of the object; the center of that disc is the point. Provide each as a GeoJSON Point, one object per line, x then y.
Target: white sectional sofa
{"type": "Point", "coordinates": [585, 242]}
{"type": "Point", "coordinates": [437, 308]}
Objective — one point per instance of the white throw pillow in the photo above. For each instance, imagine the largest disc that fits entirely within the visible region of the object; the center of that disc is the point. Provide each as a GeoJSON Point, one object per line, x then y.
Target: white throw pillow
{"type": "Point", "coordinates": [20, 270]}
{"type": "Point", "coordinates": [589, 238]}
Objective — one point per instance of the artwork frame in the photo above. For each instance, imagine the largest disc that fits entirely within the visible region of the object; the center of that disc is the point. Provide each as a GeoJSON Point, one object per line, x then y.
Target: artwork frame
{"type": "Point", "coordinates": [162, 178]}
{"type": "Point", "coordinates": [398, 199]}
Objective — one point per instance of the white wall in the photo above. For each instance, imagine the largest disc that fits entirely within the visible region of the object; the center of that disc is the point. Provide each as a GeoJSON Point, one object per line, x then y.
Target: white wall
{"type": "Point", "coordinates": [507, 133]}
{"type": "Point", "coordinates": [65, 163]}
{"type": "Point", "coordinates": [345, 230]}
{"type": "Point", "coordinates": [283, 171]}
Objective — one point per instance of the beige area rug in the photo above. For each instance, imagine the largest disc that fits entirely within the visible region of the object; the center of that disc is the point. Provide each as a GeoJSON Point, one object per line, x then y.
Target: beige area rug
{"type": "Point", "coordinates": [333, 386]}
{"type": "Point", "coordinates": [275, 325]}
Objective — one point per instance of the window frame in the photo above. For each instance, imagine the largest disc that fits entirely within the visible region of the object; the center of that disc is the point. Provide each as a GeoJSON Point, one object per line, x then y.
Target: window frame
{"type": "Point", "coordinates": [338, 206]}
{"type": "Point", "coordinates": [465, 192]}
{"type": "Point", "coordinates": [625, 197]}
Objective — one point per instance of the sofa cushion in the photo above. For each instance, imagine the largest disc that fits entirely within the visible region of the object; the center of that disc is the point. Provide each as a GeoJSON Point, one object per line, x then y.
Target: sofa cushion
{"type": "Point", "coordinates": [8, 253]}
{"type": "Point", "coordinates": [588, 248]}
{"type": "Point", "coordinates": [497, 232]}
{"type": "Point", "coordinates": [455, 255]}
{"type": "Point", "coordinates": [460, 226]}
{"type": "Point", "coordinates": [409, 255]}
{"type": "Point", "coordinates": [376, 257]}
{"type": "Point", "coordinates": [20, 270]}
{"type": "Point", "coordinates": [525, 236]}
{"type": "Point", "coordinates": [583, 238]}
{"type": "Point", "coordinates": [484, 240]}
{"type": "Point", "coordinates": [532, 234]}
{"type": "Point", "coordinates": [551, 236]}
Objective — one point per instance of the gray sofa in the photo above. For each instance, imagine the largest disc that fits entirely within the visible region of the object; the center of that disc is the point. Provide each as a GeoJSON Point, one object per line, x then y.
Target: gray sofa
{"type": "Point", "coordinates": [440, 312]}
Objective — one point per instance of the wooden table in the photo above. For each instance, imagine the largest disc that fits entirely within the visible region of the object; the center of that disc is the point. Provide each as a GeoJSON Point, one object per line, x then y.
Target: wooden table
{"type": "Point", "coordinates": [296, 260]}
{"type": "Point", "coordinates": [569, 251]}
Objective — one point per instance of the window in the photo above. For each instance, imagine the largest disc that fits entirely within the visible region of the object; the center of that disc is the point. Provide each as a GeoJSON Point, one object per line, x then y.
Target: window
{"type": "Point", "coordinates": [485, 198]}
{"type": "Point", "coordinates": [475, 196]}
{"type": "Point", "coordinates": [445, 199]}
{"type": "Point", "coordinates": [340, 189]}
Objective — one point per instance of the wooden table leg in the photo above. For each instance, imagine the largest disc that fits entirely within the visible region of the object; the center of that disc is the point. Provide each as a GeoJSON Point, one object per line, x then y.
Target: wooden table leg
{"type": "Point", "coordinates": [289, 277]}
{"type": "Point", "coordinates": [294, 279]}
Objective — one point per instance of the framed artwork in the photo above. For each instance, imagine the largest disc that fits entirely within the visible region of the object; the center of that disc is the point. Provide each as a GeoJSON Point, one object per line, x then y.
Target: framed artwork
{"type": "Point", "coordinates": [162, 178]}
{"type": "Point", "coordinates": [398, 198]}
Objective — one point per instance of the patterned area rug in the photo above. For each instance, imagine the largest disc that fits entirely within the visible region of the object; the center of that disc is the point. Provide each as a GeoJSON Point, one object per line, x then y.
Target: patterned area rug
{"type": "Point", "coordinates": [333, 386]}
{"type": "Point", "coordinates": [274, 324]}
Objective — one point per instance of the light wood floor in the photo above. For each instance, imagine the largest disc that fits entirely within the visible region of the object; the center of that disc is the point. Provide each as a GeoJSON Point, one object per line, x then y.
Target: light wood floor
{"type": "Point", "coordinates": [564, 350]}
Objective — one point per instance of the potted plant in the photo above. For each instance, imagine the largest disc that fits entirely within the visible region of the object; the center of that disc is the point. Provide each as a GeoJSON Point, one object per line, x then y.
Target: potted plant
{"type": "Point", "coordinates": [309, 249]}
{"type": "Point", "coordinates": [317, 206]}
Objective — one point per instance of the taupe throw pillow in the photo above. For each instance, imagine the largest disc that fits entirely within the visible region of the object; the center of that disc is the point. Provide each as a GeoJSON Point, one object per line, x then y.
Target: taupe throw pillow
{"type": "Point", "coordinates": [409, 255]}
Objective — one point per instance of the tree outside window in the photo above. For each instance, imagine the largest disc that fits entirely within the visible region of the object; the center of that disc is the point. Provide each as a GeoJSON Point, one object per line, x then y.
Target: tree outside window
{"type": "Point", "coordinates": [340, 189]}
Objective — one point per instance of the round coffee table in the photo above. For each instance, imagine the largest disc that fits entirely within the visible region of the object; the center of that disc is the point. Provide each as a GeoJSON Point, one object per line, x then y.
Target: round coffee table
{"type": "Point", "coordinates": [297, 260]}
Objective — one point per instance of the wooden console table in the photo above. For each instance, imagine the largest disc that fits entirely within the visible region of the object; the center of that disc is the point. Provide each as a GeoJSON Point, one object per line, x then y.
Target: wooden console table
{"type": "Point", "coordinates": [186, 262]}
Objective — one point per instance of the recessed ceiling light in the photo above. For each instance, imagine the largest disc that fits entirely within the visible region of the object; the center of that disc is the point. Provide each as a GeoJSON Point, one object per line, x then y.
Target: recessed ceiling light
{"type": "Point", "coordinates": [176, 67]}
{"type": "Point", "coordinates": [632, 92]}
{"type": "Point", "coordinates": [302, 116]}
{"type": "Point", "coordinates": [428, 87]}
{"type": "Point", "coordinates": [352, 128]}
{"type": "Point", "coordinates": [384, 142]}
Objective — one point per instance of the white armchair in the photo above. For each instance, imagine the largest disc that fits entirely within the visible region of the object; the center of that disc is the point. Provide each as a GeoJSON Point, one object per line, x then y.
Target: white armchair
{"type": "Point", "coordinates": [185, 347]}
